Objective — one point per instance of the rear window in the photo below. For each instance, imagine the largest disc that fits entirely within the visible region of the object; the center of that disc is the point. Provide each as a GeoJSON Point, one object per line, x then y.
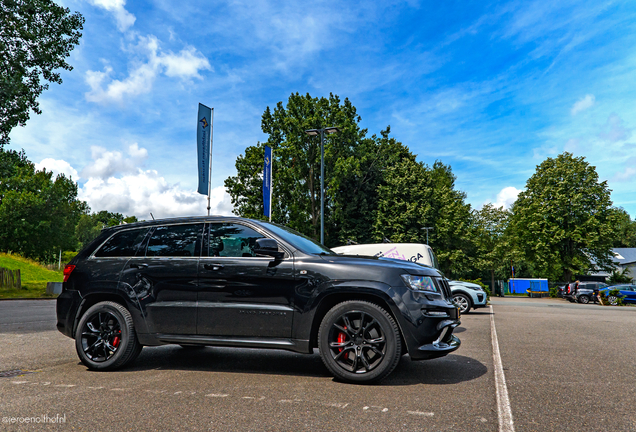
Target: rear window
{"type": "Point", "coordinates": [122, 244]}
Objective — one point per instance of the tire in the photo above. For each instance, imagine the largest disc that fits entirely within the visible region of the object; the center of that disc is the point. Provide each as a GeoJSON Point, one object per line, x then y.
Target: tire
{"type": "Point", "coordinates": [584, 299]}
{"type": "Point", "coordinates": [463, 302]}
{"type": "Point", "coordinates": [105, 338]}
{"type": "Point", "coordinates": [359, 342]}
{"type": "Point", "coordinates": [613, 300]}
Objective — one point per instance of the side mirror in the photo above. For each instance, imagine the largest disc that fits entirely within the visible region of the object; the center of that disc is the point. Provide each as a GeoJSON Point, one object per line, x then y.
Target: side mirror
{"type": "Point", "coordinates": [268, 247]}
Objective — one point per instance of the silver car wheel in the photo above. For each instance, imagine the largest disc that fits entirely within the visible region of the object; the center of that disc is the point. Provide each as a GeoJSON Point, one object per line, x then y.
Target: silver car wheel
{"type": "Point", "coordinates": [463, 303]}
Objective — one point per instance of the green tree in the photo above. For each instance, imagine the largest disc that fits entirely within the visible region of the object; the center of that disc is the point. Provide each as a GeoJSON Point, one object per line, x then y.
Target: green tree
{"type": "Point", "coordinates": [38, 214]}
{"type": "Point", "coordinates": [36, 36]}
{"type": "Point", "coordinates": [414, 196]}
{"type": "Point", "coordinates": [90, 225]}
{"type": "Point", "coordinates": [625, 230]}
{"type": "Point", "coordinates": [563, 221]}
{"type": "Point", "coordinates": [492, 246]}
{"type": "Point", "coordinates": [296, 163]}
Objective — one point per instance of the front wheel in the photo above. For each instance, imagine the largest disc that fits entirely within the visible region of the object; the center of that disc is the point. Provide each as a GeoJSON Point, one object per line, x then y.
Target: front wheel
{"type": "Point", "coordinates": [105, 338]}
{"type": "Point", "coordinates": [613, 300]}
{"type": "Point", "coordinates": [359, 342]}
{"type": "Point", "coordinates": [584, 299]}
{"type": "Point", "coordinates": [463, 302]}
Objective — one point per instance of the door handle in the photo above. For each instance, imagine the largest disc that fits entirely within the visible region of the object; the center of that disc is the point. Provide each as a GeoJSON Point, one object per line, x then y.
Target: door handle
{"type": "Point", "coordinates": [214, 267]}
{"type": "Point", "coordinates": [137, 266]}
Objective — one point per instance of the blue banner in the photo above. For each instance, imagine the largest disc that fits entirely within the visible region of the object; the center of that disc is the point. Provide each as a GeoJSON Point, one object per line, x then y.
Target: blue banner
{"type": "Point", "coordinates": [204, 147]}
{"type": "Point", "coordinates": [267, 183]}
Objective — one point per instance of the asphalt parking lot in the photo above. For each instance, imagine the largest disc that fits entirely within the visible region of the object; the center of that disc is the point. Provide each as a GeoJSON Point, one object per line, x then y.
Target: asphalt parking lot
{"type": "Point", "coordinates": [567, 367]}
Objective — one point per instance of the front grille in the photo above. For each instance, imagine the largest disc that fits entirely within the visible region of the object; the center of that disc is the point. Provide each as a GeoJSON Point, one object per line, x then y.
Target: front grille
{"type": "Point", "coordinates": [445, 287]}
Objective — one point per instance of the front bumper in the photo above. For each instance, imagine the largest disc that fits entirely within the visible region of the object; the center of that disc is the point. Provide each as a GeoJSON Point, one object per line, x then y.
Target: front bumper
{"type": "Point", "coordinates": [437, 349]}
{"type": "Point", "coordinates": [480, 300]}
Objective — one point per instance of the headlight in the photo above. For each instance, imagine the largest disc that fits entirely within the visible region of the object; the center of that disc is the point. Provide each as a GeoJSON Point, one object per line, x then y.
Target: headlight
{"type": "Point", "coordinates": [419, 283]}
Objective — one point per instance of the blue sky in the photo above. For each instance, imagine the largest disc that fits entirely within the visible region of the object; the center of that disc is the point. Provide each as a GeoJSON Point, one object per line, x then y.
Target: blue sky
{"type": "Point", "coordinates": [491, 88]}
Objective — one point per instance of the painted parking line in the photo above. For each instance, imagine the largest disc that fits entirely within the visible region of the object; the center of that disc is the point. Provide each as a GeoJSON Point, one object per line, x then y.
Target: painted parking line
{"type": "Point", "coordinates": [504, 412]}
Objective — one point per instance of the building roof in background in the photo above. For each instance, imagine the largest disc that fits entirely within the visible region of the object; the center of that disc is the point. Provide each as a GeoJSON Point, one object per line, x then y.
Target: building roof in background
{"type": "Point", "coordinates": [624, 255]}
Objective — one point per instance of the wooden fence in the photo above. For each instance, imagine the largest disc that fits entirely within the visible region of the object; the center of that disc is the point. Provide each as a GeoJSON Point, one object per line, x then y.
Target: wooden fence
{"type": "Point", "coordinates": [10, 279]}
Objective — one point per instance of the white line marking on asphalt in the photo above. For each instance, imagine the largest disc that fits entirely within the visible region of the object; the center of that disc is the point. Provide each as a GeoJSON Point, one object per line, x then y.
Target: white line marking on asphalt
{"type": "Point", "coordinates": [336, 405]}
{"type": "Point", "coordinates": [217, 395]}
{"type": "Point", "coordinates": [95, 388]}
{"type": "Point", "coordinates": [504, 412]}
{"type": "Point", "coordinates": [65, 385]}
{"type": "Point", "coordinates": [19, 382]}
{"type": "Point", "coordinates": [375, 408]}
{"type": "Point", "coordinates": [420, 413]}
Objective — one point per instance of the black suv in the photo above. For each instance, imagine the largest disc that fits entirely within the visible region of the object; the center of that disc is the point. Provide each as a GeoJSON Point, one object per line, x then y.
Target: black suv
{"type": "Point", "coordinates": [229, 281]}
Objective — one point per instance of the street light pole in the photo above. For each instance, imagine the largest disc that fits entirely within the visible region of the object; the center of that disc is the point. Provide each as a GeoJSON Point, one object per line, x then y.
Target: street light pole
{"type": "Point", "coordinates": [427, 228]}
{"type": "Point", "coordinates": [321, 132]}
{"type": "Point", "coordinates": [322, 186]}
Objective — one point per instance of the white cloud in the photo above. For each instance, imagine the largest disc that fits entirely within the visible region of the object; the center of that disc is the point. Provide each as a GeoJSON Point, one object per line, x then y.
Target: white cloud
{"type": "Point", "coordinates": [117, 185]}
{"type": "Point", "coordinates": [184, 65]}
{"type": "Point", "coordinates": [58, 166]}
{"type": "Point", "coordinates": [583, 104]}
{"type": "Point", "coordinates": [144, 192]}
{"type": "Point", "coordinates": [108, 163]}
{"type": "Point", "coordinates": [626, 175]}
{"type": "Point", "coordinates": [124, 18]}
{"type": "Point", "coordinates": [615, 130]}
{"type": "Point", "coordinates": [506, 197]}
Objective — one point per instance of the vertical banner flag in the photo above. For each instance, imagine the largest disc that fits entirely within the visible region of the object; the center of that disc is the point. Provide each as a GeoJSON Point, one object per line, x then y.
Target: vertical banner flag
{"type": "Point", "coordinates": [204, 147]}
{"type": "Point", "coordinates": [267, 183]}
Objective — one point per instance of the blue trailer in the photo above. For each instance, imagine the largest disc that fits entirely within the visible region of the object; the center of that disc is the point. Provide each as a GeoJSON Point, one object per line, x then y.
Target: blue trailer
{"type": "Point", "coordinates": [528, 286]}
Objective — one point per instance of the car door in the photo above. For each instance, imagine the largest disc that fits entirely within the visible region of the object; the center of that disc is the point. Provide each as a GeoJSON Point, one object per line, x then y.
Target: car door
{"type": "Point", "coordinates": [630, 293]}
{"type": "Point", "coordinates": [164, 278]}
{"type": "Point", "coordinates": [241, 294]}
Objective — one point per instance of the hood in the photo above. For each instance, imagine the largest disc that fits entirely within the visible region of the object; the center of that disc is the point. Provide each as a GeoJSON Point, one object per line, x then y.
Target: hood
{"type": "Point", "coordinates": [409, 267]}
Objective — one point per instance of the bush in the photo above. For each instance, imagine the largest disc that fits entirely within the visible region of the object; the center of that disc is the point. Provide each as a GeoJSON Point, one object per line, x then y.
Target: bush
{"type": "Point", "coordinates": [616, 293]}
{"type": "Point", "coordinates": [480, 283]}
{"type": "Point", "coordinates": [67, 256]}
{"type": "Point", "coordinates": [619, 277]}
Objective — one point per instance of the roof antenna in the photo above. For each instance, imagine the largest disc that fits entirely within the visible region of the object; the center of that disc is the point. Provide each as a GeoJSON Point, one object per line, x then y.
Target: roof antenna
{"type": "Point", "coordinates": [153, 218]}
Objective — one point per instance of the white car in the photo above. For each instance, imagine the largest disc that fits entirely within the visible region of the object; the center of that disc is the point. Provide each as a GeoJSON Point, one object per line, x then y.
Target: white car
{"type": "Point", "coordinates": [468, 295]}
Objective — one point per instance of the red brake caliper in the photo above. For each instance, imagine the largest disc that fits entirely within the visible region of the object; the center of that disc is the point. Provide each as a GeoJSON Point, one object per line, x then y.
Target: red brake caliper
{"type": "Point", "coordinates": [116, 341]}
{"type": "Point", "coordinates": [341, 339]}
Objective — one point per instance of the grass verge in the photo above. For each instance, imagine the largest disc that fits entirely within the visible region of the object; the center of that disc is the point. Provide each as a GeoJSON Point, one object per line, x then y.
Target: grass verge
{"type": "Point", "coordinates": [33, 274]}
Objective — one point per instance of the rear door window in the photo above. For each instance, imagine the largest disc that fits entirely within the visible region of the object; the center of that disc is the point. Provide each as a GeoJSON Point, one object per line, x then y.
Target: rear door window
{"type": "Point", "coordinates": [122, 244]}
{"type": "Point", "coordinates": [175, 241]}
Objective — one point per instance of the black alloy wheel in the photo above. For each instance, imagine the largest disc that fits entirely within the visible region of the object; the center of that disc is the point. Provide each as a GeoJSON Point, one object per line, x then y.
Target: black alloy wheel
{"type": "Point", "coordinates": [105, 338]}
{"type": "Point", "coordinates": [359, 342]}
{"type": "Point", "coordinates": [584, 299]}
{"type": "Point", "coordinates": [463, 302]}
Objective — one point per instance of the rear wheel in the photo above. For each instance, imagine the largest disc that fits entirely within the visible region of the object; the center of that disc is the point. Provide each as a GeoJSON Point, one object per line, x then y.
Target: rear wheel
{"type": "Point", "coordinates": [359, 342]}
{"type": "Point", "coordinates": [463, 302]}
{"type": "Point", "coordinates": [105, 338]}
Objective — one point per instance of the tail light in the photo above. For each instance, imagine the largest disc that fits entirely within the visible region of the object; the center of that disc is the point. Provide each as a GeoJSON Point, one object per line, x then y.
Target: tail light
{"type": "Point", "coordinates": [68, 269]}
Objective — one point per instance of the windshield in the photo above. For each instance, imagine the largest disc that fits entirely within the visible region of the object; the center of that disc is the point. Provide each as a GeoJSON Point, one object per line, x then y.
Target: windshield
{"type": "Point", "coordinates": [298, 240]}
{"type": "Point", "coordinates": [433, 259]}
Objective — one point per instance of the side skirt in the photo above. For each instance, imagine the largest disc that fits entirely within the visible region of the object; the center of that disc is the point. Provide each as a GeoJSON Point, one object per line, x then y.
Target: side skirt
{"type": "Point", "coordinates": [295, 345]}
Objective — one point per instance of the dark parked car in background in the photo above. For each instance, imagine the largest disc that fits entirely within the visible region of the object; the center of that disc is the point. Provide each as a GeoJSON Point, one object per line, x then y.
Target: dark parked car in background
{"type": "Point", "coordinates": [242, 283]}
{"type": "Point", "coordinates": [583, 292]}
